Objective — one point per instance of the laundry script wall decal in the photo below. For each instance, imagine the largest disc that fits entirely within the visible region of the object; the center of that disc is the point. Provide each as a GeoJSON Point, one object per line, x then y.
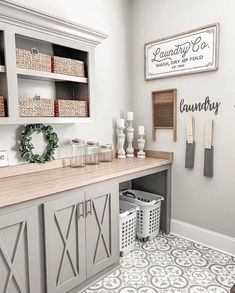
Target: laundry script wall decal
{"type": "Point", "coordinates": [206, 105]}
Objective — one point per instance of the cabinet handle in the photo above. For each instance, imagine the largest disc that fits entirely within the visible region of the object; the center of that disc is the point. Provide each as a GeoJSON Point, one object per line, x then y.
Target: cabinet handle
{"type": "Point", "coordinates": [81, 213]}
{"type": "Point", "coordinates": [88, 203]}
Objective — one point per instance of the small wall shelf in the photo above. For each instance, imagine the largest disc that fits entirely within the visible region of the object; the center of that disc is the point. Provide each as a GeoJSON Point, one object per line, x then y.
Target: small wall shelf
{"type": "Point", "coordinates": [40, 75]}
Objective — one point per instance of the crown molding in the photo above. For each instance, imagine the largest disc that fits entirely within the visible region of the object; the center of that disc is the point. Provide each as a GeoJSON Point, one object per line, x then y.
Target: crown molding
{"type": "Point", "coordinates": [26, 17]}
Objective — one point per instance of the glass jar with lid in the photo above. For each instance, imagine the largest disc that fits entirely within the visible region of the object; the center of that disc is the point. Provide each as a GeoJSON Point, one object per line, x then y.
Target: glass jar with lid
{"type": "Point", "coordinates": [78, 148]}
{"type": "Point", "coordinates": [106, 153]}
{"type": "Point", "coordinates": [92, 150]}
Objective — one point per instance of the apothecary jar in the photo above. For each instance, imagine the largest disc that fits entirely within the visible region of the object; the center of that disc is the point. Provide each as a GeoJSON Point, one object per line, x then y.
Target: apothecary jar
{"type": "Point", "coordinates": [106, 153]}
{"type": "Point", "coordinates": [92, 150]}
{"type": "Point", "coordinates": [78, 158]}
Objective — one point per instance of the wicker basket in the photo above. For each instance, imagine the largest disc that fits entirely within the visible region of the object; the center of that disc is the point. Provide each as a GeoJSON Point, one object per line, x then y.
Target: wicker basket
{"type": "Point", "coordinates": [35, 61]}
{"type": "Point", "coordinates": [67, 66]}
{"type": "Point", "coordinates": [29, 107]}
{"type": "Point", "coordinates": [71, 108]}
{"type": "Point", "coordinates": [2, 107]}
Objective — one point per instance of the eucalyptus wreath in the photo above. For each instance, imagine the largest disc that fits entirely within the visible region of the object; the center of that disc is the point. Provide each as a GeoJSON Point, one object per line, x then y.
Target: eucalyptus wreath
{"type": "Point", "coordinates": [26, 147]}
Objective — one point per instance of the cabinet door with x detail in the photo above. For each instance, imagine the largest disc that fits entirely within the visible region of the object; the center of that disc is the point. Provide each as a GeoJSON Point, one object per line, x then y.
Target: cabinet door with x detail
{"type": "Point", "coordinates": [65, 242]}
{"type": "Point", "coordinates": [102, 227]}
{"type": "Point", "coordinates": [19, 252]}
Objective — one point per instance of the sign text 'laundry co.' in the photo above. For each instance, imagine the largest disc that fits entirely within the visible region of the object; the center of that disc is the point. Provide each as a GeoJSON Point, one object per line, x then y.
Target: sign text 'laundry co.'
{"type": "Point", "coordinates": [189, 52]}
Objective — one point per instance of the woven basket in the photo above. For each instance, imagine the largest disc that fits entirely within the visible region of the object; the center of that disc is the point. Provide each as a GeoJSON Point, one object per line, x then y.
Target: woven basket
{"type": "Point", "coordinates": [35, 61]}
{"type": "Point", "coordinates": [71, 108]}
{"type": "Point", "coordinates": [67, 66]}
{"type": "Point", "coordinates": [36, 108]}
{"type": "Point", "coordinates": [2, 107]}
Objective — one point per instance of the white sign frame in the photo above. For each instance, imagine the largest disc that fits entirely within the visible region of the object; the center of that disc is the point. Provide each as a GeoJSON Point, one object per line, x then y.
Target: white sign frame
{"type": "Point", "coordinates": [199, 48]}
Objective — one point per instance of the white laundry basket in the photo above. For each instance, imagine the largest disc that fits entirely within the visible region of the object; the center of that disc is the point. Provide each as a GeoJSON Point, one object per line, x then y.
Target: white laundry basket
{"type": "Point", "coordinates": [148, 216]}
{"type": "Point", "coordinates": [128, 216]}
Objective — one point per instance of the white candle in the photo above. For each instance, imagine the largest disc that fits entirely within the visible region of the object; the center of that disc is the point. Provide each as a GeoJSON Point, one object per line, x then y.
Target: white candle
{"type": "Point", "coordinates": [120, 123]}
{"type": "Point", "coordinates": [141, 130]}
{"type": "Point", "coordinates": [130, 116]}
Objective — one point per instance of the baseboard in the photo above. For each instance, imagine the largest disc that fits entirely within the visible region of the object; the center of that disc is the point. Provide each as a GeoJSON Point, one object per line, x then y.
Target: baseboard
{"type": "Point", "coordinates": [203, 236]}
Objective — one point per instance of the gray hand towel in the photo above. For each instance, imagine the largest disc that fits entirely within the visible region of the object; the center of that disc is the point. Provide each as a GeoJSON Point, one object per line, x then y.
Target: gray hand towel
{"type": "Point", "coordinates": [189, 156]}
{"type": "Point", "coordinates": [208, 162]}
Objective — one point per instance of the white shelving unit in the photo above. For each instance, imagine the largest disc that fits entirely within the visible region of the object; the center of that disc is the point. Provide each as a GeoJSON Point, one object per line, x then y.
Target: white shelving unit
{"type": "Point", "coordinates": [62, 38]}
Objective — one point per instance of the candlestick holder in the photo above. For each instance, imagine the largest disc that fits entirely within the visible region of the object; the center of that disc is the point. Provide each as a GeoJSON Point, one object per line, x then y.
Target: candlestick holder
{"type": "Point", "coordinates": [130, 138]}
{"type": "Point", "coordinates": [141, 144]}
{"type": "Point", "coordinates": [120, 143]}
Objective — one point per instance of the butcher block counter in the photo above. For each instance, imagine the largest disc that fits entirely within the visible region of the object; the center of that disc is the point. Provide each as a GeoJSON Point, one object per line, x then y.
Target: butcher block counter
{"type": "Point", "coordinates": [21, 188]}
{"type": "Point", "coordinates": [64, 222]}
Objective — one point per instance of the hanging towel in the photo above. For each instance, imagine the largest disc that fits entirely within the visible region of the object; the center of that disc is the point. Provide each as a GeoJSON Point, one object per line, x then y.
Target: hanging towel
{"type": "Point", "coordinates": [209, 150]}
{"type": "Point", "coordinates": [190, 143]}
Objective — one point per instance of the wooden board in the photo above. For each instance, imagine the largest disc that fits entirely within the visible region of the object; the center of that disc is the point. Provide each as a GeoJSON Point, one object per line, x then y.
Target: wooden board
{"type": "Point", "coordinates": [28, 168]}
{"type": "Point", "coordinates": [157, 154]}
{"type": "Point", "coordinates": [164, 111]}
{"type": "Point", "coordinates": [163, 115]}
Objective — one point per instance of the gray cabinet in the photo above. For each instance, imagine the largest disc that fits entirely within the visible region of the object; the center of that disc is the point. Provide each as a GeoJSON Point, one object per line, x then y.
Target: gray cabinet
{"type": "Point", "coordinates": [19, 252]}
{"type": "Point", "coordinates": [81, 236]}
{"type": "Point", "coordinates": [65, 242]}
{"type": "Point", "coordinates": [102, 218]}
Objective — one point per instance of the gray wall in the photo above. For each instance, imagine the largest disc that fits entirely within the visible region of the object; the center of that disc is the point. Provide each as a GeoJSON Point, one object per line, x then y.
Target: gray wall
{"type": "Point", "coordinates": [113, 86]}
{"type": "Point", "coordinates": [208, 203]}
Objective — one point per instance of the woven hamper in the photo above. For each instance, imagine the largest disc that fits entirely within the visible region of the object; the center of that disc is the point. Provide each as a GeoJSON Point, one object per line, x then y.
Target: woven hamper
{"type": "Point", "coordinates": [35, 61]}
{"type": "Point", "coordinates": [2, 107]}
{"type": "Point", "coordinates": [67, 66]}
{"type": "Point", "coordinates": [71, 108]}
{"type": "Point", "coordinates": [29, 107]}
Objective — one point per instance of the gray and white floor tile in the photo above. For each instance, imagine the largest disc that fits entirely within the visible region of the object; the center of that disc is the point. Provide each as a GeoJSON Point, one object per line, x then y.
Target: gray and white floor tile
{"type": "Point", "coordinates": [170, 264]}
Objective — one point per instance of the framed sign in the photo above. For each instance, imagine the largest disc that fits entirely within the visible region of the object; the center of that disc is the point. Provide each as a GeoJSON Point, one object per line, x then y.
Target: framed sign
{"type": "Point", "coordinates": [189, 52]}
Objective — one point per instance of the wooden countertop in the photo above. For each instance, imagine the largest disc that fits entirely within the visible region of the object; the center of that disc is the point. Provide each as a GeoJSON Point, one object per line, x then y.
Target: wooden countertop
{"type": "Point", "coordinates": [25, 187]}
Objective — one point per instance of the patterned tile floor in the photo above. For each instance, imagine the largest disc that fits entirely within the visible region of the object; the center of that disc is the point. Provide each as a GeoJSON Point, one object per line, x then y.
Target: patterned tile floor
{"type": "Point", "coordinates": [170, 264]}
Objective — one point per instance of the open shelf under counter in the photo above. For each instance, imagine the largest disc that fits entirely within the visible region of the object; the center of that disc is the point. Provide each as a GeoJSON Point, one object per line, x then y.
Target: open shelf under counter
{"type": "Point", "coordinates": [2, 69]}
{"type": "Point", "coordinates": [41, 75]}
